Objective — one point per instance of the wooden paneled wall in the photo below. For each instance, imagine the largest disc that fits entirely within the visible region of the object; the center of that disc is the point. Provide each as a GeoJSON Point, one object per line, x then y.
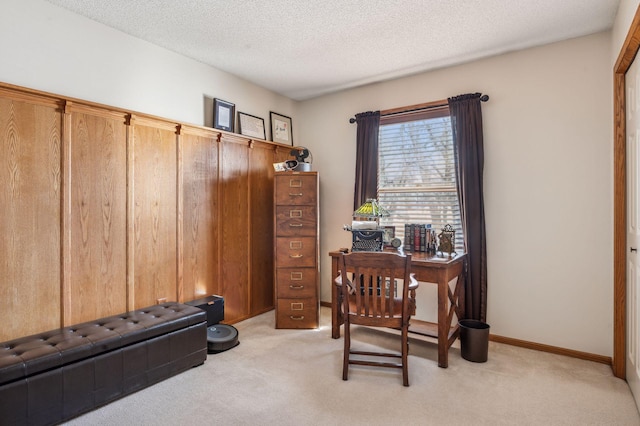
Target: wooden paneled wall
{"type": "Point", "coordinates": [104, 210]}
{"type": "Point", "coordinates": [94, 215]}
{"type": "Point", "coordinates": [30, 213]}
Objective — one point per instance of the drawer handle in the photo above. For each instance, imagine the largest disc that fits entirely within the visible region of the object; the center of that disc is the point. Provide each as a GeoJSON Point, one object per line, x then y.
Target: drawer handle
{"type": "Point", "coordinates": [295, 225]}
{"type": "Point", "coordinates": [299, 194]}
{"type": "Point", "coordinates": [296, 287]}
{"type": "Point", "coordinates": [300, 318]}
{"type": "Point", "coordinates": [295, 256]}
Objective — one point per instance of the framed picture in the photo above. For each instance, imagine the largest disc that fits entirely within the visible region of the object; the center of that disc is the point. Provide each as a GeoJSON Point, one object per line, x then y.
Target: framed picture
{"type": "Point", "coordinates": [281, 128]}
{"type": "Point", "coordinates": [223, 114]}
{"type": "Point", "coordinates": [389, 233]}
{"type": "Point", "coordinates": [249, 125]}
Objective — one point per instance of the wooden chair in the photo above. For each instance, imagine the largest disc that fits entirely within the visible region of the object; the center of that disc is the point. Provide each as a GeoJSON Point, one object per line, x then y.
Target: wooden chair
{"type": "Point", "coordinates": [381, 293]}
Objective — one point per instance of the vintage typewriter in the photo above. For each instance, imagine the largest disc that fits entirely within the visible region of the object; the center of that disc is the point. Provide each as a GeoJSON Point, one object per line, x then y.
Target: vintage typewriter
{"type": "Point", "coordinates": [365, 227]}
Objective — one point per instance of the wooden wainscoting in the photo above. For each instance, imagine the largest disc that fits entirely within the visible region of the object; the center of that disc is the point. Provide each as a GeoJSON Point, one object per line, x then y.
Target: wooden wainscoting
{"type": "Point", "coordinates": [94, 214]}
{"type": "Point", "coordinates": [30, 210]}
{"type": "Point", "coordinates": [200, 225]}
{"type": "Point", "coordinates": [104, 210]}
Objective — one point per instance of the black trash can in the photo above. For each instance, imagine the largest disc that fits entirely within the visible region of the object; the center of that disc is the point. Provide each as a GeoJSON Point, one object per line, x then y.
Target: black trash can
{"type": "Point", "coordinates": [474, 340]}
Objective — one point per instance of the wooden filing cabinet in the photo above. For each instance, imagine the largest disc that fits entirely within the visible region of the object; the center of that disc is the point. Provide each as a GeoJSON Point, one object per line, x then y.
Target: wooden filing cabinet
{"type": "Point", "coordinates": [296, 249]}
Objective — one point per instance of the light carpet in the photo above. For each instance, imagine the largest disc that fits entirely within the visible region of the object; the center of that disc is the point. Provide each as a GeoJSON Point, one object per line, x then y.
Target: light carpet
{"type": "Point", "coordinates": [294, 377]}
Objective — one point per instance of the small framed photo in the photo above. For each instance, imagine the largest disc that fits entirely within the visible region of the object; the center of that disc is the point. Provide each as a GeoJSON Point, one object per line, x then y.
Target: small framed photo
{"type": "Point", "coordinates": [281, 128]}
{"type": "Point", "coordinates": [389, 233]}
{"type": "Point", "coordinates": [223, 115]}
{"type": "Point", "coordinates": [250, 125]}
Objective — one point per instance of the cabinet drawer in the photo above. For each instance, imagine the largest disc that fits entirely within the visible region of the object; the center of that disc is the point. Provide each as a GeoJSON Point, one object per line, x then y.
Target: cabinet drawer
{"type": "Point", "coordinates": [295, 189]}
{"type": "Point", "coordinates": [296, 221]}
{"type": "Point", "coordinates": [297, 313]}
{"type": "Point", "coordinates": [296, 283]}
{"type": "Point", "coordinates": [295, 252]}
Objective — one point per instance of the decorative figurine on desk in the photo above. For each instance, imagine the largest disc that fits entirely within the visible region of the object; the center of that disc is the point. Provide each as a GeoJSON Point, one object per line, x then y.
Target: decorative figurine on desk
{"type": "Point", "coordinates": [447, 240]}
{"type": "Point", "coordinates": [396, 242]}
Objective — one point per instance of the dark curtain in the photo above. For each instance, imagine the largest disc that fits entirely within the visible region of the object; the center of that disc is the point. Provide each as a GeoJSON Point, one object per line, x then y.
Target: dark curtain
{"type": "Point", "coordinates": [366, 157]}
{"type": "Point", "coordinates": [466, 123]}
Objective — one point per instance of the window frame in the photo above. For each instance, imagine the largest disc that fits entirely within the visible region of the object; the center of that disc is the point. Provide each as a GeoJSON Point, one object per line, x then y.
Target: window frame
{"type": "Point", "coordinates": [425, 111]}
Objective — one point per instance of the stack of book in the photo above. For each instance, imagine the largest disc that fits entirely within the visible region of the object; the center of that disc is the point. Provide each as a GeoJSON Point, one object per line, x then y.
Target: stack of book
{"type": "Point", "coordinates": [419, 237]}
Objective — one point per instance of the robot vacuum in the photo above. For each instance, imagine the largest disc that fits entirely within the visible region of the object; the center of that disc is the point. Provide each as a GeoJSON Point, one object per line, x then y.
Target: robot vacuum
{"type": "Point", "coordinates": [221, 337]}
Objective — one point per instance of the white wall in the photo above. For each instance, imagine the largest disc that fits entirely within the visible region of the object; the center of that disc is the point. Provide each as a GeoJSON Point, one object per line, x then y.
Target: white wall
{"type": "Point", "coordinates": [548, 183]}
{"type": "Point", "coordinates": [47, 48]}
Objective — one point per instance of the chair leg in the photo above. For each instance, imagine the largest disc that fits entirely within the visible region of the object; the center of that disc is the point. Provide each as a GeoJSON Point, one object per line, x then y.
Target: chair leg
{"type": "Point", "coordinates": [405, 353]}
{"type": "Point", "coordinates": [347, 349]}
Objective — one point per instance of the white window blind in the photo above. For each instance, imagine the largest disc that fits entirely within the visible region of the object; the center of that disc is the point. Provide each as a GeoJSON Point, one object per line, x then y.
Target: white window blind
{"type": "Point", "coordinates": [416, 172]}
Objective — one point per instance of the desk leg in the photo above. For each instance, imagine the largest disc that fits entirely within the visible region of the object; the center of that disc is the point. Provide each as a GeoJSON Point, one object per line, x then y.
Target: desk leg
{"type": "Point", "coordinates": [335, 308]}
{"type": "Point", "coordinates": [448, 305]}
{"type": "Point", "coordinates": [443, 326]}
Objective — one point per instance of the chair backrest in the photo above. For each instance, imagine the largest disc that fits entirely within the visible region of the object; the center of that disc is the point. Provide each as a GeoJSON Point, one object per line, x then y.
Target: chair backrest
{"type": "Point", "coordinates": [377, 287]}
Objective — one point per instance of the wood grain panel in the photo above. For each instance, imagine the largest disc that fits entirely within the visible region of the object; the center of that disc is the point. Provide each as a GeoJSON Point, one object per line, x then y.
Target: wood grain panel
{"type": "Point", "coordinates": [154, 213]}
{"type": "Point", "coordinates": [262, 290]}
{"type": "Point", "coordinates": [200, 206]}
{"type": "Point", "coordinates": [234, 220]}
{"type": "Point", "coordinates": [30, 216]}
{"type": "Point", "coordinates": [97, 219]}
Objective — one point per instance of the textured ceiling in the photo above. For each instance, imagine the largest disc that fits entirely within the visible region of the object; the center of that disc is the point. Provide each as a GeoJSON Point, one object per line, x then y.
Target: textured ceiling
{"type": "Point", "coordinates": [306, 48]}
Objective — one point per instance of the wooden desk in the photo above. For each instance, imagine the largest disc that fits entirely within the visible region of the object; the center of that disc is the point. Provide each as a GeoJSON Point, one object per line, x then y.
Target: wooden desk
{"type": "Point", "coordinates": [428, 269]}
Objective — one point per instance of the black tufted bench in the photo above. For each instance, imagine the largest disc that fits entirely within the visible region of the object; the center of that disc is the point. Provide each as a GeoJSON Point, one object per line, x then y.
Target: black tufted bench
{"type": "Point", "coordinates": [51, 377]}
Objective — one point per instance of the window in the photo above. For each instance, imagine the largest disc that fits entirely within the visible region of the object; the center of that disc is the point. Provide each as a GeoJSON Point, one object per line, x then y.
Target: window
{"type": "Point", "coordinates": [416, 171]}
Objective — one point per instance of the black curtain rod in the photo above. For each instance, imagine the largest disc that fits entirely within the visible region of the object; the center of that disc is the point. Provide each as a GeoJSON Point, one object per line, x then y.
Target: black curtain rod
{"type": "Point", "coordinates": [483, 98]}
